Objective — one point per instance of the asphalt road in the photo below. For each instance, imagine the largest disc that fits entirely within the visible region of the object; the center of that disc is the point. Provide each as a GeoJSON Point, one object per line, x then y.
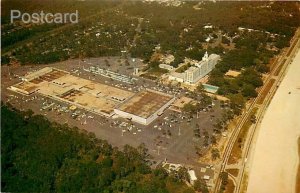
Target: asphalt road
{"type": "Point", "coordinates": [224, 164]}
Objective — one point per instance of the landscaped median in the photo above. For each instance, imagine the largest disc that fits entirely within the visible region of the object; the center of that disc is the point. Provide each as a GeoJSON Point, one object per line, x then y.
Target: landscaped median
{"type": "Point", "coordinates": [237, 149]}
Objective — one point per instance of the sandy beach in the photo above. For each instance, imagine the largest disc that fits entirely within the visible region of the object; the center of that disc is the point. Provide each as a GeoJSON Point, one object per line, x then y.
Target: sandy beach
{"type": "Point", "coordinates": [274, 161]}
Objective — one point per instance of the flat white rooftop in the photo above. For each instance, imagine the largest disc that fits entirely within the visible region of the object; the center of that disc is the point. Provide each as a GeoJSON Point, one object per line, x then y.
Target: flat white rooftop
{"type": "Point", "coordinates": [92, 96]}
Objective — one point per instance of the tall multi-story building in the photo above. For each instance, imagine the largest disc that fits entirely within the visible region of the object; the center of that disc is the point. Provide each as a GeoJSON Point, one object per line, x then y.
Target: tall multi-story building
{"type": "Point", "coordinates": [198, 70]}
{"type": "Point", "coordinates": [195, 73]}
{"type": "Point", "coordinates": [192, 74]}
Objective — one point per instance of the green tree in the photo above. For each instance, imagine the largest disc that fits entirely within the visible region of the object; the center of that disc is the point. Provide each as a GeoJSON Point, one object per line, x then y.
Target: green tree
{"type": "Point", "coordinates": [201, 186]}
{"type": "Point", "coordinates": [215, 154]}
{"type": "Point", "coordinates": [252, 77]}
{"type": "Point", "coordinates": [40, 156]}
{"type": "Point", "coordinates": [249, 91]}
{"type": "Point", "coordinates": [190, 108]}
{"type": "Point", "coordinates": [237, 103]}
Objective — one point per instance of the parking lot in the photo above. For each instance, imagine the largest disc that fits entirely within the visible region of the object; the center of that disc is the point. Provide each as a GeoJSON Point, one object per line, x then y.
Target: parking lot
{"type": "Point", "coordinates": [173, 136]}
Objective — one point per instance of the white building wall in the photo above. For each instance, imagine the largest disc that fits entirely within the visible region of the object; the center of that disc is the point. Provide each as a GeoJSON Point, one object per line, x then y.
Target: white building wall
{"type": "Point", "coordinates": [15, 89]}
{"type": "Point", "coordinates": [178, 79]}
{"type": "Point", "coordinates": [141, 120]}
{"type": "Point", "coordinates": [38, 73]}
{"type": "Point", "coordinates": [133, 117]}
{"type": "Point", "coordinates": [192, 75]}
{"type": "Point", "coordinates": [167, 67]}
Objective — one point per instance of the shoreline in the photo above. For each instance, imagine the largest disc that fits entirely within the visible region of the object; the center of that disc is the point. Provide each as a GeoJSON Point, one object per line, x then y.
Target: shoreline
{"type": "Point", "coordinates": [274, 164]}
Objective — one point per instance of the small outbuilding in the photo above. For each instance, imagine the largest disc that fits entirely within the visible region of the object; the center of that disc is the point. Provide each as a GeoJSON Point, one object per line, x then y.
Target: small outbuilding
{"type": "Point", "coordinates": [192, 176]}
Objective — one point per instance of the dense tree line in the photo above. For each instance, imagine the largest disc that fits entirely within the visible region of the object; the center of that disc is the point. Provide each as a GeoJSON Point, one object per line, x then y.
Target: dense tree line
{"type": "Point", "coordinates": [22, 34]}
{"type": "Point", "coordinates": [178, 30]}
{"type": "Point", "coordinates": [248, 58]}
{"type": "Point", "coordinates": [41, 156]}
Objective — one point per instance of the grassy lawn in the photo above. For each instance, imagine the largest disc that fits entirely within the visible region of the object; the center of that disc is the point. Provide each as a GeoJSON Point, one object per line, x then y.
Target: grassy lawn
{"type": "Point", "coordinates": [183, 68]}
{"type": "Point", "coordinates": [279, 69]}
{"type": "Point", "coordinates": [236, 153]}
{"type": "Point", "coordinates": [229, 187]}
{"type": "Point", "coordinates": [233, 172]}
{"type": "Point", "coordinates": [266, 91]}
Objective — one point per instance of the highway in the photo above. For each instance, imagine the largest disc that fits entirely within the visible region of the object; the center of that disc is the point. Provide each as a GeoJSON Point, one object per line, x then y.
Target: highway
{"type": "Point", "coordinates": [282, 62]}
{"type": "Point", "coordinates": [289, 56]}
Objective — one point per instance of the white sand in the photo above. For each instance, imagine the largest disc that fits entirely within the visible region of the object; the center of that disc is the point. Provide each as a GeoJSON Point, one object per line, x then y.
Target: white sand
{"type": "Point", "coordinates": [275, 158]}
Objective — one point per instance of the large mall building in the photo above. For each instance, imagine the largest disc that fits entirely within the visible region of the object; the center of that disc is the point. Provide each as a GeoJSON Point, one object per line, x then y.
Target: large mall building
{"type": "Point", "coordinates": [142, 107]}
{"type": "Point", "coordinates": [145, 106]}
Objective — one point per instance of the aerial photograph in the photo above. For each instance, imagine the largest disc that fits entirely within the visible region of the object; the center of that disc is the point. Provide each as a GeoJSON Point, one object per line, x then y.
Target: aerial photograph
{"type": "Point", "coordinates": [150, 96]}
